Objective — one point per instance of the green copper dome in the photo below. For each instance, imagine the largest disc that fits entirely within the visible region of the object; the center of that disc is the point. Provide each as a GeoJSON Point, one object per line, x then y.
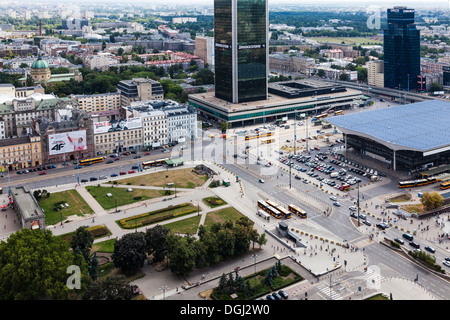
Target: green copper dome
{"type": "Point", "coordinates": [39, 64]}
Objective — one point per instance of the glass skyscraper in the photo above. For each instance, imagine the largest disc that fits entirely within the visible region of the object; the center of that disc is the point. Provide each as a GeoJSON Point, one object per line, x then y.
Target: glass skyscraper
{"type": "Point", "coordinates": [401, 50]}
{"type": "Point", "coordinates": [241, 50]}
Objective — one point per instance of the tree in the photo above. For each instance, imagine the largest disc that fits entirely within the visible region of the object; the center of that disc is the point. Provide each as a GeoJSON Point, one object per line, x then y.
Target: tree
{"type": "Point", "coordinates": [206, 76]}
{"type": "Point", "coordinates": [129, 252]}
{"type": "Point", "coordinates": [83, 240]}
{"type": "Point", "coordinates": [321, 73]}
{"type": "Point", "coordinates": [155, 239]}
{"type": "Point", "coordinates": [432, 200]}
{"type": "Point", "coordinates": [112, 288]}
{"type": "Point", "coordinates": [343, 77]}
{"type": "Point", "coordinates": [435, 87]}
{"type": "Point", "coordinates": [34, 264]}
{"type": "Point", "coordinates": [181, 254]}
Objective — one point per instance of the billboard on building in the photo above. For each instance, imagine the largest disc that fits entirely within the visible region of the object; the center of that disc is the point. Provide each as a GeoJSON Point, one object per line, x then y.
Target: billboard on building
{"type": "Point", "coordinates": [117, 125]}
{"type": "Point", "coordinates": [353, 75]}
{"type": "Point", "coordinates": [67, 142]}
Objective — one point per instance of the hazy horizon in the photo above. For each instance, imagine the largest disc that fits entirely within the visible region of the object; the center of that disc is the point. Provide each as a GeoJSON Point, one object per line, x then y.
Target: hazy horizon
{"type": "Point", "coordinates": [444, 4]}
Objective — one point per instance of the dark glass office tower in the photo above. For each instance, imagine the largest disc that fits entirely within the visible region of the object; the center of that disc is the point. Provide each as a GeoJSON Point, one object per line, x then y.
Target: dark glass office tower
{"type": "Point", "coordinates": [401, 49]}
{"type": "Point", "coordinates": [241, 50]}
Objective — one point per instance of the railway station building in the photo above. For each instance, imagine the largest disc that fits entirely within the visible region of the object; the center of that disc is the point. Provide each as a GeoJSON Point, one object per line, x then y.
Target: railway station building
{"type": "Point", "coordinates": [408, 137]}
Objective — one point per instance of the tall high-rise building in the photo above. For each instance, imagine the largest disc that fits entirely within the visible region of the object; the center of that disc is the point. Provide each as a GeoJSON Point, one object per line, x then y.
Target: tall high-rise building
{"type": "Point", "coordinates": [241, 50]}
{"type": "Point", "coordinates": [401, 49]}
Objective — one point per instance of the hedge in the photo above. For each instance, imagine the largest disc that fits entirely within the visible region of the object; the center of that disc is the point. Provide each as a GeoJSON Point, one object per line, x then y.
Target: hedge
{"type": "Point", "coordinates": [148, 218]}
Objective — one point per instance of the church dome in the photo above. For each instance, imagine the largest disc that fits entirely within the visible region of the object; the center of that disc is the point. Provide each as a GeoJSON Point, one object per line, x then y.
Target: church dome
{"type": "Point", "coordinates": [39, 64]}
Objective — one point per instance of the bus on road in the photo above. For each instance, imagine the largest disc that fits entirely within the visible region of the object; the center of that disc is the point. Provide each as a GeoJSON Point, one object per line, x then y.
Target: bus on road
{"type": "Point", "coordinates": [300, 212]}
{"type": "Point", "coordinates": [154, 163]}
{"type": "Point", "coordinates": [91, 161]}
{"type": "Point", "coordinates": [269, 209]}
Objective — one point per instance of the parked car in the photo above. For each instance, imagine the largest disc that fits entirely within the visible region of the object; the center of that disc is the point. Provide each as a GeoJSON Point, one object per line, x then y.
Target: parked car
{"type": "Point", "coordinates": [122, 173]}
{"type": "Point", "coordinates": [103, 177]}
{"type": "Point", "coordinates": [114, 175]}
{"type": "Point", "coordinates": [283, 294]}
{"type": "Point", "coordinates": [84, 180]}
{"type": "Point", "coordinates": [93, 179]}
{"type": "Point", "coordinates": [276, 296]}
{"type": "Point", "coordinates": [42, 173]}
{"type": "Point", "coordinates": [270, 297]}
{"type": "Point", "coordinates": [400, 241]}
{"type": "Point", "coordinates": [131, 171]}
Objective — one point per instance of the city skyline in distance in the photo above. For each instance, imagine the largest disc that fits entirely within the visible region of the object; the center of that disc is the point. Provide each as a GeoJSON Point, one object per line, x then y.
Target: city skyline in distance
{"type": "Point", "coordinates": [353, 4]}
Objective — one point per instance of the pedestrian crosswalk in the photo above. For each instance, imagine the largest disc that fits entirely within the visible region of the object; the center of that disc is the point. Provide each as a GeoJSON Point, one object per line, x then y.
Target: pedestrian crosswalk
{"type": "Point", "coordinates": [328, 292]}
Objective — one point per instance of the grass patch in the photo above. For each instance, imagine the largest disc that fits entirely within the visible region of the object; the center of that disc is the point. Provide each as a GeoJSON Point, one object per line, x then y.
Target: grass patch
{"type": "Point", "coordinates": [378, 297]}
{"type": "Point", "coordinates": [104, 246]}
{"type": "Point", "coordinates": [414, 208]}
{"type": "Point", "coordinates": [77, 205]}
{"type": "Point", "coordinates": [123, 196]}
{"type": "Point", "coordinates": [140, 220]}
{"type": "Point", "coordinates": [285, 277]}
{"type": "Point", "coordinates": [221, 216]}
{"type": "Point", "coordinates": [214, 202]}
{"type": "Point", "coordinates": [401, 198]}
{"type": "Point", "coordinates": [185, 226]}
{"type": "Point", "coordinates": [183, 178]}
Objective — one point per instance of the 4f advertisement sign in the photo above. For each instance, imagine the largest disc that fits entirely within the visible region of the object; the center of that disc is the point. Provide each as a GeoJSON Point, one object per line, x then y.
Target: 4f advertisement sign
{"type": "Point", "coordinates": [67, 142]}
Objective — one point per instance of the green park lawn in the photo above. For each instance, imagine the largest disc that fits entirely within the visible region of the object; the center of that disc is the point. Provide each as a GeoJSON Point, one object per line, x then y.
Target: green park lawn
{"type": "Point", "coordinates": [123, 196]}
{"type": "Point", "coordinates": [77, 206]}
{"type": "Point", "coordinates": [183, 178]}
{"type": "Point", "coordinates": [222, 215]}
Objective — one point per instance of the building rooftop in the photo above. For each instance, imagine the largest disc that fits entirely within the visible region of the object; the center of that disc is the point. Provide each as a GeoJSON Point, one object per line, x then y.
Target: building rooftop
{"type": "Point", "coordinates": [419, 126]}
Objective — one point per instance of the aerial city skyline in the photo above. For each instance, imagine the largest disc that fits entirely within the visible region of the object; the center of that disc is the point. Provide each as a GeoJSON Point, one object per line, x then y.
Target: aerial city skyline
{"type": "Point", "coordinates": [231, 150]}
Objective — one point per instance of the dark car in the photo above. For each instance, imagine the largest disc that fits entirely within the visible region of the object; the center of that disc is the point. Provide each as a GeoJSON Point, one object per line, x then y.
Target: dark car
{"type": "Point", "coordinates": [399, 241]}
{"type": "Point", "coordinates": [122, 173]}
{"type": "Point", "coordinates": [110, 161]}
{"type": "Point", "coordinates": [283, 294]}
{"type": "Point", "coordinates": [269, 297]}
{"type": "Point", "coordinates": [134, 167]}
{"type": "Point", "coordinates": [414, 244]}
{"type": "Point", "coordinates": [93, 179]}
{"type": "Point", "coordinates": [84, 180]}
{"type": "Point", "coordinates": [276, 296]}
{"type": "Point", "coordinates": [428, 248]}
{"type": "Point", "coordinates": [114, 175]}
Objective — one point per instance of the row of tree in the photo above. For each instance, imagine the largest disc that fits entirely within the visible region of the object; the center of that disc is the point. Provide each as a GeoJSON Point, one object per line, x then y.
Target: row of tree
{"type": "Point", "coordinates": [185, 253]}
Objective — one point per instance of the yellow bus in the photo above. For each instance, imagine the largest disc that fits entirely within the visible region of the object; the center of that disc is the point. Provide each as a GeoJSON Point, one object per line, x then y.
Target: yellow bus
{"type": "Point", "coordinates": [91, 161]}
{"type": "Point", "coordinates": [285, 212]}
{"type": "Point", "coordinates": [269, 209]}
{"type": "Point", "coordinates": [445, 185]}
{"type": "Point", "coordinates": [300, 212]}
{"type": "Point", "coordinates": [252, 137]}
{"type": "Point", "coordinates": [268, 141]}
{"type": "Point", "coordinates": [154, 163]}
{"type": "Point", "coordinates": [339, 112]}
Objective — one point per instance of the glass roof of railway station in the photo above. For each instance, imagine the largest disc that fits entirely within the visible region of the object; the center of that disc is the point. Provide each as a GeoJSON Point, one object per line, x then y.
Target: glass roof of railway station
{"type": "Point", "coordinates": [422, 126]}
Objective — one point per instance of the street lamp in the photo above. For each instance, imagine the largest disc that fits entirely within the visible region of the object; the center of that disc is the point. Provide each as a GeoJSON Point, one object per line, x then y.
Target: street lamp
{"type": "Point", "coordinates": [254, 257]}
{"type": "Point", "coordinates": [163, 289]}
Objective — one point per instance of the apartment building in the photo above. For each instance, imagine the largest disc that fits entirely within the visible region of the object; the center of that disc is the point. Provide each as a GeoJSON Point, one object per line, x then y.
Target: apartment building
{"type": "Point", "coordinates": [98, 102]}
{"type": "Point", "coordinates": [139, 89]}
{"type": "Point", "coordinates": [20, 152]}
{"type": "Point", "coordinates": [375, 73]}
